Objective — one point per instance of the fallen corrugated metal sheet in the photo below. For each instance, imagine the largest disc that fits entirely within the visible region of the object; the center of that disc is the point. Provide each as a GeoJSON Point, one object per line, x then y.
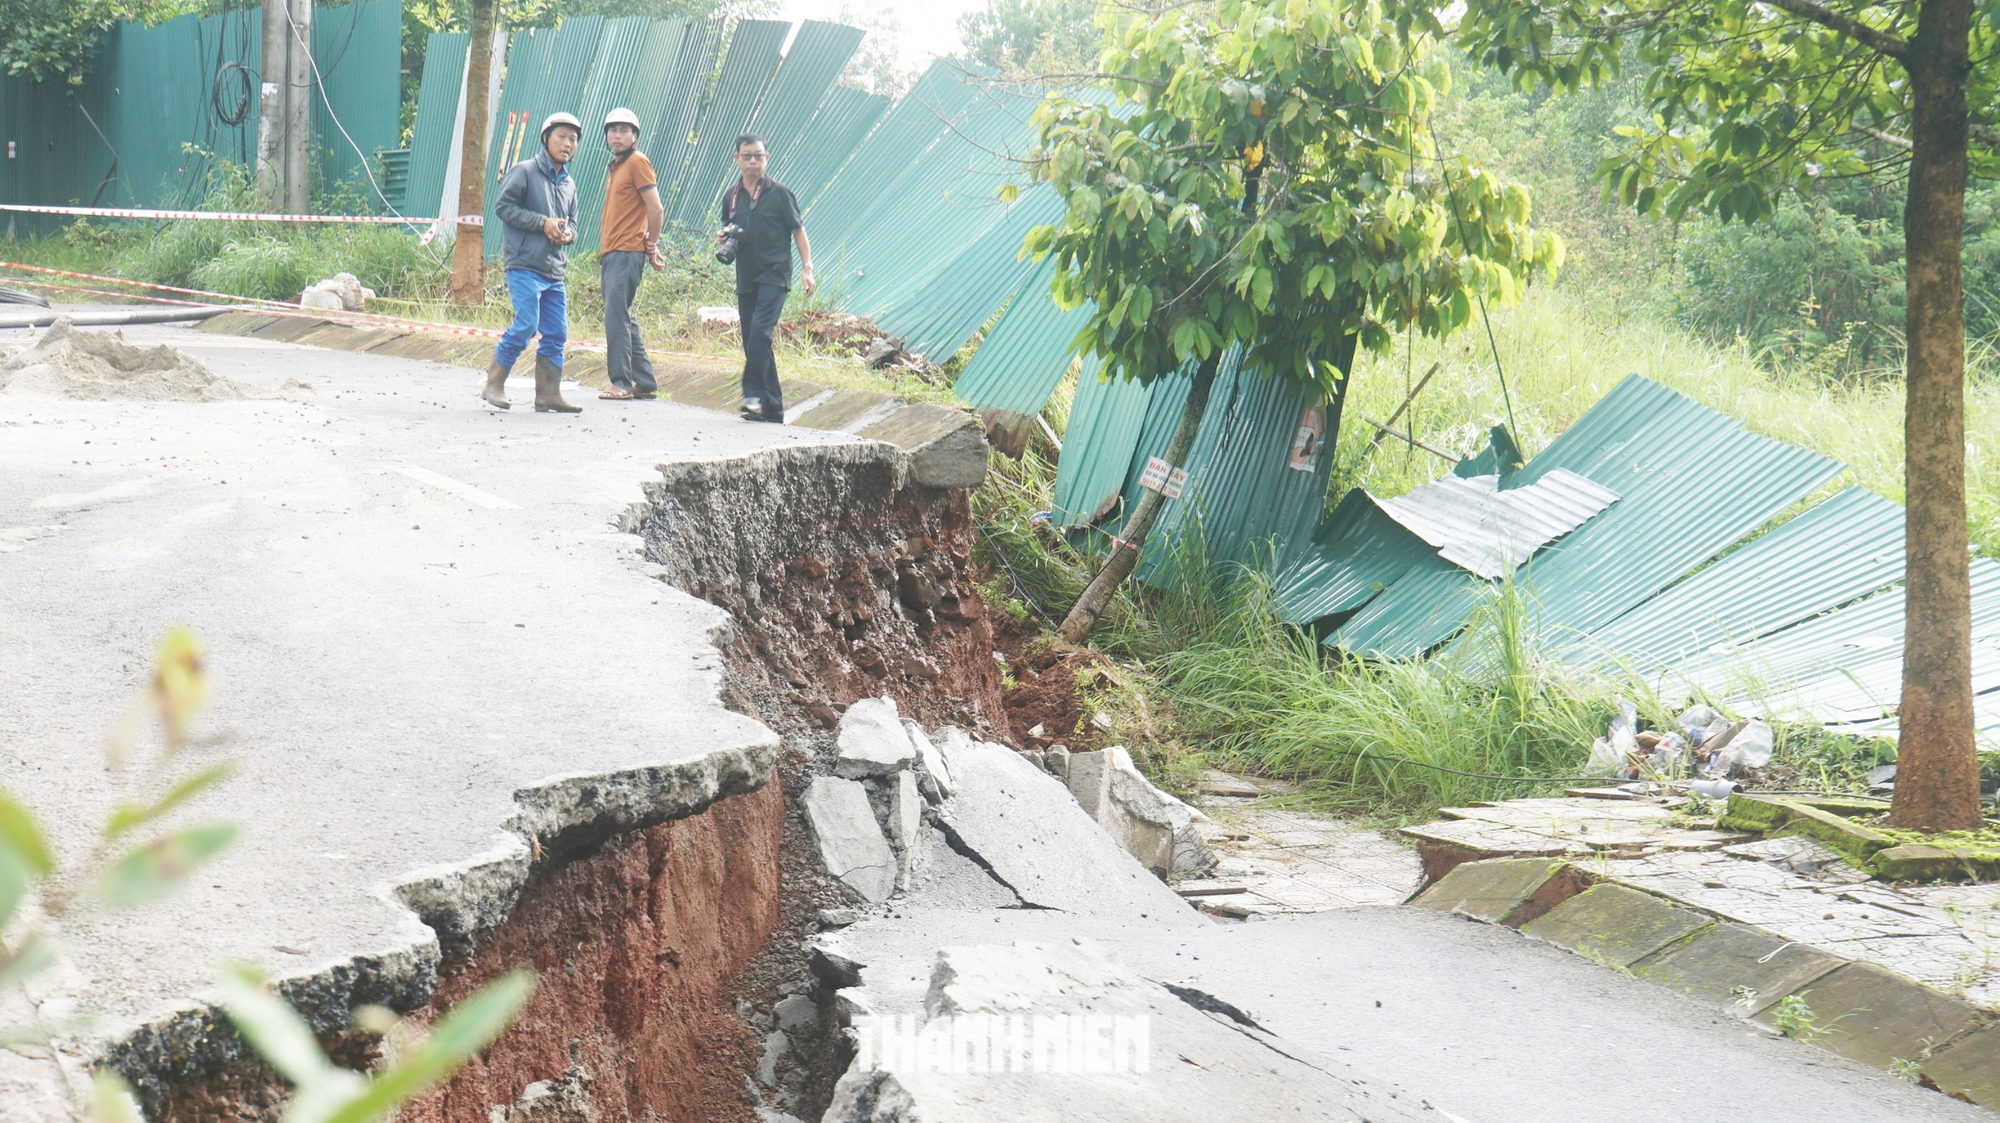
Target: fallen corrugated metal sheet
{"type": "Point", "coordinates": [1356, 553]}
{"type": "Point", "coordinates": [1252, 497]}
{"type": "Point", "coordinates": [1490, 532]}
{"type": "Point", "coordinates": [1026, 355]}
{"type": "Point", "coordinates": [1104, 426]}
{"type": "Point", "coordinates": [903, 134]}
{"type": "Point", "coordinates": [1839, 551]}
{"type": "Point", "coordinates": [1842, 667]}
{"type": "Point", "coordinates": [1693, 481]}
{"type": "Point", "coordinates": [939, 314]}
{"type": "Point", "coordinates": [844, 117]}
{"type": "Point", "coordinates": [747, 68]}
{"type": "Point", "coordinates": [818, 54]}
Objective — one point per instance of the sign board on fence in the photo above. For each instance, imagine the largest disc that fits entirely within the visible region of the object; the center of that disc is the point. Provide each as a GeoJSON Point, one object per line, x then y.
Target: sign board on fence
{"type": "Point", "coordinates": [1307, 441]}
{"type": "Point", "coordinates": [1163, 477]}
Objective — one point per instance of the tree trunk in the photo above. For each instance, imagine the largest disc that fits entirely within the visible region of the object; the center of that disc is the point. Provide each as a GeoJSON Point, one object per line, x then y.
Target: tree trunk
{"type": "Point", "coordinates": [1937, 772]}
{"type": "Point", "coordinates": [1076, 627]}
{"type": "Point", "coordinates": [468, 255]}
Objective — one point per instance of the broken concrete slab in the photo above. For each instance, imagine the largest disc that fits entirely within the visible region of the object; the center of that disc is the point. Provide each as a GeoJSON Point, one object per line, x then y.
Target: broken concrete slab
{"type": "Point", "coordinates": [872, 741]}
{"type": "Point", "coordinates": [1151, 825]}
{"type": "Point", "coordinates": [1618, 925]}
{"type": "Point", "coordinates": [1024, 826]}
{"type": "Point", "coordinates": [947, 447]}
{"type": "Point", "coordinates": [850, 840]}
{"type": "Point", "coordinates": [1509, 891]}
{"type": "Point", "coordinates": [1199, 1062]}
{"type": "Point", "coordinates": [1878, 1017]}
{"type": "Point", "coordinates": [906, 828]}
{"type": "Point", "coordinates": [1969, 1068]}
{"type": "Point", "coordinates": [1737, 967]}
{"type": "Point", "coordinates": [933, 775]}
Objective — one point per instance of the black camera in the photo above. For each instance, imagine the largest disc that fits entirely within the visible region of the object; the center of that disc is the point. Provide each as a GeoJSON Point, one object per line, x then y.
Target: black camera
{"type": "Point", "coordinates": [725, 250]}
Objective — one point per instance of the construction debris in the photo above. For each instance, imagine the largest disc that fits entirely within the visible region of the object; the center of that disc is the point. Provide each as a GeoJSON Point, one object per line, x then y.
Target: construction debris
{"type": "Point", "coordinates": [340, 292]}
{"type": "Point", "coordinates": [1151, 825]}
{"type": "Point", "coordinates": [101, 366]}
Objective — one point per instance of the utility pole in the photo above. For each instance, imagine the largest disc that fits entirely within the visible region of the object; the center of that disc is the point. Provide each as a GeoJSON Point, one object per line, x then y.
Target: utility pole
{"type": "Point", "coordinates": [272, 86]}
{"type": "Point", "coordinates": [468, 258]}
{"type": "Point", "coordinates": [298, 106]}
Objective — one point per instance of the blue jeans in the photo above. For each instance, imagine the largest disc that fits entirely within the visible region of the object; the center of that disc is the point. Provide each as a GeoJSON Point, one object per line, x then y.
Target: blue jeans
{"type": "Point", "coordinates": [540, 306]}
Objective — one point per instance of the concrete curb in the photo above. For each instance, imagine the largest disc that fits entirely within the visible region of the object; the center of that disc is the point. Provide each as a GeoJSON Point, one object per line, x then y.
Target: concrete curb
{"type": "Point", "coordinates": [1859, 1010]}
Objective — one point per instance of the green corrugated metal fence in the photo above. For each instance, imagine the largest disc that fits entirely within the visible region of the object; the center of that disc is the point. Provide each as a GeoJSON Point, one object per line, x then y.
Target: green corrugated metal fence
{"type": "Point", "coordinates": [152, 93]}
{"type": "Point", "coordinates": [437, 113]}
{"type": "Point", "coordinates": [746, 69]}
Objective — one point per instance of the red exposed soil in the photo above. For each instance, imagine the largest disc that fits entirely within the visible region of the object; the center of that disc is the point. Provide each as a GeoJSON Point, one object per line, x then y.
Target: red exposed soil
{"type": "Point", "coordinates": [844, 583]}
{"type": "Point", "coordinates": [637, 950]}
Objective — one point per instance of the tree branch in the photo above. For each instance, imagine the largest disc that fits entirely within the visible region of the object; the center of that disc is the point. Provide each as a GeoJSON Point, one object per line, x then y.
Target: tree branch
{"type": "Point", "coordinates": [1880, 41]}
{"type": "Point", "coordinates": [1890, 139]}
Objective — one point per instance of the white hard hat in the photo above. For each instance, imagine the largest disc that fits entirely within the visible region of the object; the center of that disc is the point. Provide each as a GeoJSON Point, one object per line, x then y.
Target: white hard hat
{"type": "Point", "coordinates": [554, 119]}
{"type": "Point", "coordinates": [622, 116]}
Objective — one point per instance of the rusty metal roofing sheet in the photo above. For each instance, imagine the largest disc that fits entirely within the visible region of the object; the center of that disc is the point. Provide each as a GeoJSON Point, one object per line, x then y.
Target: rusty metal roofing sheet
{"type": "Point", "coordinates": [1489, 531]}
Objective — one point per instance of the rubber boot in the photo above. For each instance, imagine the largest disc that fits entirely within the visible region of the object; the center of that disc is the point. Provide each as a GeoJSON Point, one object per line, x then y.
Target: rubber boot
{"type": "Point", "coordinates": [495, 393]}
{"type": "Point", "coordinates": [548, 389]}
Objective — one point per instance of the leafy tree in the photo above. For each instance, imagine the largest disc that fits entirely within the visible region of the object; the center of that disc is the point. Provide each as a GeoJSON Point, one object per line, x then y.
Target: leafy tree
{"type": "Point", "coordinates": [1750, 98]}
{"type": "Point", "coordinates": [1266, 180]}
{"type": "Point", "coordinates": [1021, 38]}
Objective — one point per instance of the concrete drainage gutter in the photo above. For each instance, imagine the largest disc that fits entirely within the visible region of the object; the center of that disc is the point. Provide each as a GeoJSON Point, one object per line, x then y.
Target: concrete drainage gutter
{"type": "Point", "coordinates": [1859, 1010]}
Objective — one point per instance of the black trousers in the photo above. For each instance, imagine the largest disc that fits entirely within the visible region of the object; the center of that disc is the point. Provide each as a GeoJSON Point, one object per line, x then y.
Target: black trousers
{"type": "Point", "coordinates": [759, 310]}
{"type": "Point", "coordinates": [625, 361]}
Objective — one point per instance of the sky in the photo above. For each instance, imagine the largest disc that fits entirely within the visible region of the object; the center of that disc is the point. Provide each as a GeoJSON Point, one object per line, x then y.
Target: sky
{"type": "Point", "coordinates": [929, 27]}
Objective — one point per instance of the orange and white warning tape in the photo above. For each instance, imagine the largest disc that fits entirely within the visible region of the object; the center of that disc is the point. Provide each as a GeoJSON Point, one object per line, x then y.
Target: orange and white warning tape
{"type": "Point", "coordinates": [232, 216]}
{"type": "Point", "coordinates": [278, 308]}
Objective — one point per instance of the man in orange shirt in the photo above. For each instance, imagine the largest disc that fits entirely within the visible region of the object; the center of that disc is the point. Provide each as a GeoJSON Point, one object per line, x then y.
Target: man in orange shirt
{"type": "Point", "coordinates": [633, 216]}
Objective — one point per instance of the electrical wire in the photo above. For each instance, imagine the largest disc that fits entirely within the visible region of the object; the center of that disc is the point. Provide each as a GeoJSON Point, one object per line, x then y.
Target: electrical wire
{"type": "Point", "coordinates": [319, 83]}
{"type": "Point", "coordinates": [1458, 218]}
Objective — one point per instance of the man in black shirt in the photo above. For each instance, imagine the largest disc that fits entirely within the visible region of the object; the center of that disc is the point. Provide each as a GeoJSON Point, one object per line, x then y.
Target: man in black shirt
{"type": "Point", "coordinates": [768, 215]}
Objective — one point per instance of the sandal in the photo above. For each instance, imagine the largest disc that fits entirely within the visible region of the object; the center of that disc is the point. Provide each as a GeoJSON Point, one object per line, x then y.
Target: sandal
{"type": "Point", "coordinates": [616, 394]}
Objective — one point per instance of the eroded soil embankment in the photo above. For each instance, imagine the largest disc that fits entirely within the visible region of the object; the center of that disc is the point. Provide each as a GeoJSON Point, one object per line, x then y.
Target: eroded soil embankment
{"type": "Point", "coordinates": [845, 581]}
{"type": "Point", "coordinates": [664, 954]}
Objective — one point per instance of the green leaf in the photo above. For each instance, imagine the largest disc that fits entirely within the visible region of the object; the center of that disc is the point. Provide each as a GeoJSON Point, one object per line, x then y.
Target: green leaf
{"type": "Point", "coordinates": [131, 815]}
{"type": "Point", "coordinates": [458, 1036]}
{"type": "Point", "coordinates": [272, 1027]}
{"type": "Point", "coordinates": [111, 1099]}
{"type": "Point", "coordinates": [19, 834]}
{"type": "Point", "coordinates": [34, 955]}
{"type": "Point", "coordinates": [156, 869]}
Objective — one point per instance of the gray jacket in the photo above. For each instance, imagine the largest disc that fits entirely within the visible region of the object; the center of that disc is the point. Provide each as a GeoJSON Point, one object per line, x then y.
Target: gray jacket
{"type": "Point", "coordinates": [528, 195]}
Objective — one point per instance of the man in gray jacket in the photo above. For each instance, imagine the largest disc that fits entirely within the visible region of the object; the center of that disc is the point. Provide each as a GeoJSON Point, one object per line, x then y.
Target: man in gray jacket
{"type": "Point", "coordinates": [538, 204]}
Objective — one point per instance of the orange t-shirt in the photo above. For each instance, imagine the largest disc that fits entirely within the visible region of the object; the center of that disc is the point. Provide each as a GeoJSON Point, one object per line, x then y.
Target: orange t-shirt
{"type": "Point", "coordinates": [625, 203]}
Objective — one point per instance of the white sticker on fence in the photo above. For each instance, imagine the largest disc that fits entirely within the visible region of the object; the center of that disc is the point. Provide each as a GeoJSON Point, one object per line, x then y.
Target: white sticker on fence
{"type": "Point", "coordinates": [1163, 477]}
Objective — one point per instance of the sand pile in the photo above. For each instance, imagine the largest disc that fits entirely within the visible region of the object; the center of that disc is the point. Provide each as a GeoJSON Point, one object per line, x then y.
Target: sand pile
{"type": "Point", "coordinates": [100, 366]}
